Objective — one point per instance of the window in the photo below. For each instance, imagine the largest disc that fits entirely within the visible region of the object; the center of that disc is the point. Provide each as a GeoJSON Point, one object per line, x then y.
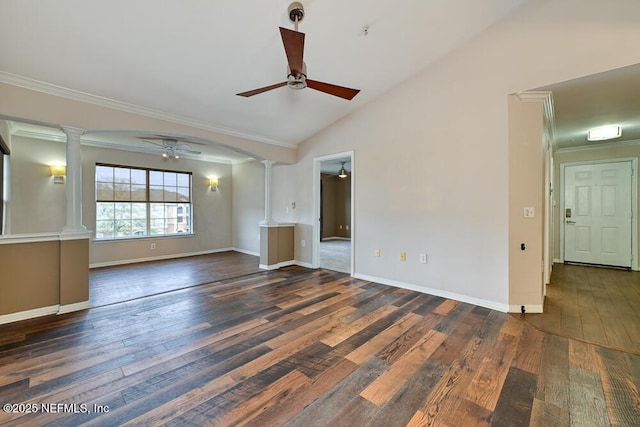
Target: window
{"type": "Point", "coordinates": [133, 202]}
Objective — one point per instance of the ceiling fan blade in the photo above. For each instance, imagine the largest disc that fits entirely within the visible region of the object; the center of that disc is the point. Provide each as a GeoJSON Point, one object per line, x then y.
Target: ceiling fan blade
{"type": "Point", "coordinates": [184, 150]}
{"type": "Point", "coordinates": [159, 144]}
{"type": "Point", "coordinates": [294, 48]}
{"type": "Point", "coordinates": [162, 138]}
{"type": "Point", "coordinates": [341, 91]}
{"type": "Point", "coordinates": [262, 89]}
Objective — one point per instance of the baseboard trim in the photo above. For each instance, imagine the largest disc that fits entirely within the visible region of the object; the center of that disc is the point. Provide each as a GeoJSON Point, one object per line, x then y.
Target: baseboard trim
{"type": "Point", "coordinates": [304, 264]}
{"type": "Point", "coordinates": [242, 251]}
{"type": "Point", "coordinates": [29, 314]}
{"type": "Point", "coordinates": [157, 258]}
{"type": "Point", "coordinates": [70, 308]}
{"type": "Point", "coordinates": [276, 266]}
{"type": "Point", "coordinates": [557, 261]}
{"type": "Point", "coordinates": [324, 239]}
{"type": "Point", "coordinates": [437, 292]}
{"type": "Point", "coordinates": [528, 308]}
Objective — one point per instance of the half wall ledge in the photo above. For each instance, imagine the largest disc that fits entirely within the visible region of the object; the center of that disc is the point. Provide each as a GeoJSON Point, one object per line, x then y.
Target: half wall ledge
{"type": "Point", "coordinates": [43, 274]}
{"type": "Point", "coordinates": [276, 245]}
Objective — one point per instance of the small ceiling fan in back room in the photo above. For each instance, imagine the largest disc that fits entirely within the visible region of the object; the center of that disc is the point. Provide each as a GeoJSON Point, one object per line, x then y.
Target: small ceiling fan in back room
{"type": "Point", "coordinates": [168, 146]}
{"type": "Point", "coordinates": [297, 70]}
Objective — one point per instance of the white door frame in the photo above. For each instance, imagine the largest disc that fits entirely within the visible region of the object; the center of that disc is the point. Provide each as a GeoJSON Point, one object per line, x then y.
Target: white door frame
{"type": "Point", "coordinates": [316, 206]}
{"type": "Point", "coordinates": [634, 203]}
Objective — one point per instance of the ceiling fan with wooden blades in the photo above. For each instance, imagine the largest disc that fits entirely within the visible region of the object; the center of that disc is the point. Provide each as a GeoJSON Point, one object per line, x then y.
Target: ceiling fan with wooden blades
{"type": "Point", "coordinates": [297, 70]}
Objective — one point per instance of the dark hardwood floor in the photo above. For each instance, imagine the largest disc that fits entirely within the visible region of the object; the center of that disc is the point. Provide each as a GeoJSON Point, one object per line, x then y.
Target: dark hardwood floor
{"type": "Point", "coordinates": [306, 347]}
{"type": "Point", "coordinates": [109, 285]}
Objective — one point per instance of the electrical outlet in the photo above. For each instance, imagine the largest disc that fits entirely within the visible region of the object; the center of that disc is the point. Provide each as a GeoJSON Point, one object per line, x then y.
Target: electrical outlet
{"type": "Point", "coordinates": [403, 256]}
{"type": "Point", "coordinates": [423, 258]}
{"type": "Point", "coordinates": [303, 243]}
{"type": "Point", "coordinates": [340, 227]}
{"type": "Point", "coordinates": [153, 246]}
{"type": "Point", "coordinates": [376, 252]}
{"type": "Point", "coordinates": [347, 228]}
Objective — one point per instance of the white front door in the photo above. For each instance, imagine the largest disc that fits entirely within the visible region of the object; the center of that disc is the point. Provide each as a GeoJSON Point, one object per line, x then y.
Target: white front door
{"type": "Point", "coordinates": [597, 213]}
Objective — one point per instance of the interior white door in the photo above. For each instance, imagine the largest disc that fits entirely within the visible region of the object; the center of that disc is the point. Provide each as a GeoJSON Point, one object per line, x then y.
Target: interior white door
{"type": "Point", "coordinates": [597, 213]}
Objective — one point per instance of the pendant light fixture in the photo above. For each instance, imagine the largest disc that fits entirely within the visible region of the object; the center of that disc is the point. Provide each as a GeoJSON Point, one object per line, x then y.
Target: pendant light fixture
{"type": "Point", "coordinates": [343, 172]}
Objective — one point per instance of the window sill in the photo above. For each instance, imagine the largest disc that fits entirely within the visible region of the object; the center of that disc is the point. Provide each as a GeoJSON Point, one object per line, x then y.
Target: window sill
{"type": "Point", "coordinates": [130, 238]}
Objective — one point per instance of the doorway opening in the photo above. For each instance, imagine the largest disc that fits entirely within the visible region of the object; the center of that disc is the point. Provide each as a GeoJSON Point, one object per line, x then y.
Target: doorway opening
{"type": "Point", "coordinates": [598, 225]}
{"type": "Point", "coordinates": [334, 228]}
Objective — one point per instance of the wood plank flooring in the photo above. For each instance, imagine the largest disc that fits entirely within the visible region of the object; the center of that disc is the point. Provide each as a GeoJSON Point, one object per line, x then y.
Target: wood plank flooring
{"type": "Point", "coordinates": [109, 285]}
{"type": "Point", "coordinates": [596, 305]}
{"type": "Point", "coordinates": [302, 347]}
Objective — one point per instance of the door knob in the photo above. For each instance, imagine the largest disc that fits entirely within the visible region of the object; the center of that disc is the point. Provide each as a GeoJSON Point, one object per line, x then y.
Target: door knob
{"type": "Point", "coordinates": [570, 222]}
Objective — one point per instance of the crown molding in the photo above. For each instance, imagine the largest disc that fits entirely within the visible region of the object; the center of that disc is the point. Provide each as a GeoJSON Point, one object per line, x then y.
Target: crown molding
{"type": "Point", "coordinates": [75, 95]}
{"type": "Point", "coordinates": [546, 97]}
{"type": "Point", "coordinates": [60, 137]}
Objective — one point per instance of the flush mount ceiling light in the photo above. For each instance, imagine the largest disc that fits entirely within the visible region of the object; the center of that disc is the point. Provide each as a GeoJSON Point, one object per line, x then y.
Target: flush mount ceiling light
{"type": "Point", "coordinates": [343, 172]}
{"type": "Point", "coordinates": [604, 132]}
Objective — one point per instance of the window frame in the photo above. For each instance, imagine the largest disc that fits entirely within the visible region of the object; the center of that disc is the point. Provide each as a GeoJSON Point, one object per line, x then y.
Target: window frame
{"type": "Point", "coordinates": [149, 201]}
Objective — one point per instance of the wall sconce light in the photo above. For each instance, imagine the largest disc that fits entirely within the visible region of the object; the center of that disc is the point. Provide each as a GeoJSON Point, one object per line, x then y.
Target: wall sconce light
{"type": "Point", "coordinates": [58, 173]}
{"type": "Point", "coordinates": [213, 183]}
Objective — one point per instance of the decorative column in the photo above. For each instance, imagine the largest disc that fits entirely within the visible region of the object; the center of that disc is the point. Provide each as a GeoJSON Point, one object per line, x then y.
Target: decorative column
{"type": "Point", "coordinates": [74, 182]}
{"type": "Point", "coordinates": [74, 239]}
{"type": "Point", "coordinates": [268, 219]}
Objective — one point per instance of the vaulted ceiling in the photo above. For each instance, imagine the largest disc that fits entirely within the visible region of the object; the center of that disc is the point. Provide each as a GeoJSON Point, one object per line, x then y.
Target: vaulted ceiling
{"type": "Point", "coordinates": [189, 59]}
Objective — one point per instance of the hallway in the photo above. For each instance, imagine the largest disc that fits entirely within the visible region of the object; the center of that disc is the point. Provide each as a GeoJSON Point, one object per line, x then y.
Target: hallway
{"type": "Point", "coordinates": [594, 305]}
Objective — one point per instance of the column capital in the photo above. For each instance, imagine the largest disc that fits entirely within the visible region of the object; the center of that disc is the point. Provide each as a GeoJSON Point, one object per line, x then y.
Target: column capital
{"type": "Point", "coordinates": [268, 163]}
{"type": "Point", "coordinates": [71, 131]}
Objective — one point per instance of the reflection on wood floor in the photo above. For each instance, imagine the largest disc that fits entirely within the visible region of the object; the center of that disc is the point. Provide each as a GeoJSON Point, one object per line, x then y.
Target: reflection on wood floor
{"type": "Point", "coordinates": [304, 347]}
{"type": "Point", "coordinates": [109, 285]}
{"type": "Point", "coordinates": [596, 305]}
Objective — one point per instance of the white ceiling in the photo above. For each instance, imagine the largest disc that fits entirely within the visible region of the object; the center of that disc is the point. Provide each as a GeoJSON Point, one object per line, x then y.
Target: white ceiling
{"type": "Point", "coordinates": [190, 58]}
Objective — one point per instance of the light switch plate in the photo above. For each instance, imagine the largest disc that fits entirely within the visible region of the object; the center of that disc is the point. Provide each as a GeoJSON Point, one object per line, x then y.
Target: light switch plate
{"type": "Point", "coordinates": [529, 212]}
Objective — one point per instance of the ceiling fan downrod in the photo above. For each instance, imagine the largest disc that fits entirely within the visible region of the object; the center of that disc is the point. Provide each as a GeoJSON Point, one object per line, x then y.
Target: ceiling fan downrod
{"type": "Point", "coordinates": [296, 13]}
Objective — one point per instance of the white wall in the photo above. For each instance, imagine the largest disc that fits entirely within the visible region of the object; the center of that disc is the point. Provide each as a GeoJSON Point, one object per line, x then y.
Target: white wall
{"type": "Point", "coordinates": [431, 156]}
{"type": "Point", "coordinates": [247, 205]}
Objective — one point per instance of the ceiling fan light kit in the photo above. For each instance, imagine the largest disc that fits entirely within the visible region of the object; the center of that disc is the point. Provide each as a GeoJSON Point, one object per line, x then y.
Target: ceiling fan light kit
{"type": "Point", "coordinates": [170, 147]}
{"type": "Point", "coordinates": [293, 42]}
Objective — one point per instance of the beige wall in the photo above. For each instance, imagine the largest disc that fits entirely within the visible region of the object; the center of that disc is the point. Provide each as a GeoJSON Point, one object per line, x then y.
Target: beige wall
{"type": "Point", "coordinates": [336, 206]}
{"type": "Point", "coordinates": [247, 205]}
{"type": "Point", "coordinates": [29, 276]}
{"type": "Point", "coordinates": [38, 205]}
{"type": "Point", "coordinates": [43, 274]}
{"type": "Point", "coordinates": [432, 155]}
{"type": "Point", "coordinates": [526, 179]}
{"type": "Point", "coordinates": [610, 151]}
{"type": "Point", "coordinates": [74, 271]}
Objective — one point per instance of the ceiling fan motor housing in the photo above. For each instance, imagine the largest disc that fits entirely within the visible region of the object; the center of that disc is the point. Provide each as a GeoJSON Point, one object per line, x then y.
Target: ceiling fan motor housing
{"type": "Point", "coordinates": [297, 81]}
{"type": "Point", "coordinates": [296, 11]}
